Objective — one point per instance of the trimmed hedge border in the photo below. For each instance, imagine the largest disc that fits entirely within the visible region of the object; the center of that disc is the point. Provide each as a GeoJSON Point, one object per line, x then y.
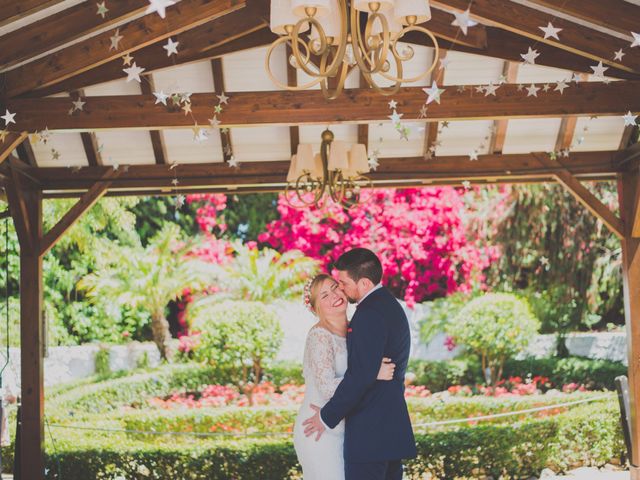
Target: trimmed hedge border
{"type": "Point", "coordinates": [586, 435]}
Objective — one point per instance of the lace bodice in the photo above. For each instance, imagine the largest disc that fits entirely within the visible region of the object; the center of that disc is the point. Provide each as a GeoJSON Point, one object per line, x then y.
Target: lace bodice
{"type": "Point", "coordinates": [325, 361]}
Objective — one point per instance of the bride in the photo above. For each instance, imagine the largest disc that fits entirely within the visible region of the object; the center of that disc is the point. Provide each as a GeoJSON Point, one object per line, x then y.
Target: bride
{"type": "Point", "coordinates": [325, 362]}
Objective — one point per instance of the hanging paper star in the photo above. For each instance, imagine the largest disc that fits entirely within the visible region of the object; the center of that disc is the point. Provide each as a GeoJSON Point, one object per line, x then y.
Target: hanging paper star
{"type": "Point", "coordinates": [223, 99]}
{"type": "Point", "coordinates": [629, 119]}
{"type": "Point", "coordinates": [175, 182]}
{"type": "Point", "coordinates": [466, 184]}
{"type": "Point", "coordinates": [444, 62]}
{"type": "Point", "coordinates": [445, 124]}
{"type": "Point", "coordinates": [115, 40]}
{"type": "Point", "coordinates": [44, 135]}
{"type": "Point", "coordinates": [133, 73]}
{"type": "Point", "coordinates": [423, 111]}
{"type": "Point", "coordinates": [532, 91]}
{"type": "Point", "coordinates": [530, 56]}
{"type": "Point", "coordinates": [546, 87]}
{"type": "Point", "coordinates": [214, 122]}
{"type": "Point", "coordinates": [161, 97]}
{"type": "Point", "coordinates": [598, 70]}
{"type": "Point", "coordinates": [171, 47]}
{"type": "Point", "coordinates": [561, 86]}
{"type": "Point", "coordinates": [393, 104]}
{"type": "Point", "coordinates": [636, 39]}
{"type": "Point", "coordinates": [473, 156]}
{"type": "Point", "coordinates": [576, 78]}
{"type": "Point", "coordinates": [185, 97]}
{"type": "Point", "coordinates": [403, 131]}
{"type": "Point", "coordinates": [618, 55]}
{"type": "Point", "coordinates": [395, 117]}
{"type": "Point", "coordinates": [480, 88]}
{"type": "Point", "coordinates": [433, 93]}
{"type": "Point", "coordinates": [127, 59]}
{"type": "Point", "coordinates": [55, 155]}
{"type": "Point", "coordinates": [159, 6]}
{"type": "Point", "coordinates": [233, 163]}
{"type": "Point", "coordinates": [102, 9]}
{"type": "Point", "coordinates": [78, 104]}
{"type": "Point", "coordinates": [224, 130]}
{"type": "Point", "coordinates": [461, 88]}
{"type": "Point", "coordinates": [491, 89]}
{"type": "Point", "coordinates": [180, 201]}
{"type": "Point", "coordinates": [8, 118]}
{"type": "Point", "coordinates": [550, 31]}
{"type": "Point", "coordinates": [187, 108]}
{"type": "Point", "coordinates": [217, 109]}
{"type": "Point", "coordinates": [462, 20]}
{"type": "Point", "coordinates": [199, 134]}
{"type": "Point", "coordinates": [520, 87]}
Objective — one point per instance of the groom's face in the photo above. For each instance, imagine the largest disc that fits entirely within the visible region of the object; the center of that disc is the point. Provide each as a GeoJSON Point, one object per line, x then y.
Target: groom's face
{"type": "Point", "coordinates": [348, 286]}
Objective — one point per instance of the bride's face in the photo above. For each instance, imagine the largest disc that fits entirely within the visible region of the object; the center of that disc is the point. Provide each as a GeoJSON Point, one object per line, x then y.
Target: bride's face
{"type": "Point", "coordinates": [330, 299]}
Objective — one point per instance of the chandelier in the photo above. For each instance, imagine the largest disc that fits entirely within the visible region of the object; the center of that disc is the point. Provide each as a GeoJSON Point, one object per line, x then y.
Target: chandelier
{"type": "Point", "coordinates": [327, 39]}
{"type": "Point", "coordinates": [336, 171]}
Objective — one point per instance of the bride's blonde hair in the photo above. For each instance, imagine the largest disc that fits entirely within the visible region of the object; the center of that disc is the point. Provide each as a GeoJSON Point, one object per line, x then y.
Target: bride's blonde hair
{"type": "Point", "coordinates": [311, 290]}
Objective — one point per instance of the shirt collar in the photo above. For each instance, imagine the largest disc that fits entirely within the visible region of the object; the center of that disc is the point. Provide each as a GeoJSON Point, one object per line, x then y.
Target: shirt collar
{"type": "Point", "coordinates": [377, 287]}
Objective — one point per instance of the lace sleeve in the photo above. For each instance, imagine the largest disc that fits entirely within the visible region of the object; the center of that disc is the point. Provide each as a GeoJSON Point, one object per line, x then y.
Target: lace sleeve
{"type": "Point", "coordinates": [321, 356]}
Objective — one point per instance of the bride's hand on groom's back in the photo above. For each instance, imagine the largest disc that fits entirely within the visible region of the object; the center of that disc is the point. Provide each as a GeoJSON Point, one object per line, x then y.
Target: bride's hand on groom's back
{"type": "Point", "coordinates": [387, 368]}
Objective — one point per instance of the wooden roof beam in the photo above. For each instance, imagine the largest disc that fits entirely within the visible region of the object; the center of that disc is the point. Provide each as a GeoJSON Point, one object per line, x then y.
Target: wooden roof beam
{"type": "Point", "coordinates": [157, 138]}
{"type": "Point", "coordinates": [94, 51]}
{"type": "Point", "coordinates": [499, 135]}
{"type": "Point", "coordinates": [238, 30]}
{"type": "Point", "coordinates": [218, 82]}
{"type": "Point", "coordinates": [353, 106]}
{"type": "Point", "coordinates": [63, 27]}
{"type": "Point", "coordinates": [617, 15]}
{"type": "Point", "coordinates": [9, 143]}
{"type": "Point", "coordinates": [12, 10]}
{"type": "Point", "coordinates": [525, 21]}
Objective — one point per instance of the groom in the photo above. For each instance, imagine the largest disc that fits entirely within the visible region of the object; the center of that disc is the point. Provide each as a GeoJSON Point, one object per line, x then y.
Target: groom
{"type": "Point", "coordinates": [378, 433]}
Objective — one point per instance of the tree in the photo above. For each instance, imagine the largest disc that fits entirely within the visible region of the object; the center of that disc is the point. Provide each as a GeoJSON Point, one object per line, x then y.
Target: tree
{"type": "Point", "coordinates": [148, 277]}
{"type": "Point", "coordinates": [419, 234]}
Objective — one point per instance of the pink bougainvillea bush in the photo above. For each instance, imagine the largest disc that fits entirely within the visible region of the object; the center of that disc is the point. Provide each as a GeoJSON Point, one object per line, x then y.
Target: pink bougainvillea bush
{"type": "Point", "coordinates": [420, 235]}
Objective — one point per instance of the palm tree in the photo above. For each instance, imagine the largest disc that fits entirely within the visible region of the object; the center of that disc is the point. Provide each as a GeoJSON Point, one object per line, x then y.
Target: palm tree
{"type": "Point", "coordinates": [148, 277]}
{"type": "Point", "coordinates": [263, 275]}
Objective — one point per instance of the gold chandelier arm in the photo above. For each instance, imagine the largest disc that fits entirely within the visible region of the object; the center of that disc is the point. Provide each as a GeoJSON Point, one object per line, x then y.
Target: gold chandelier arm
{"type": "Point", "coordinates": [361, 50]}
{"type": "Point", "coordinates": [386, 91]}
{"type": "Point", "coordinates": [401, 58]}
{"type": "Point", "coordinates": [273, 78]}
{"type": "Point", "coordinates": [324, 84]}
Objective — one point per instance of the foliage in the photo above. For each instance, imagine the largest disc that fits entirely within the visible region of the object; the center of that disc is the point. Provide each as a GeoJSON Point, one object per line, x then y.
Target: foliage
{"type": "Point", "coordinates": [240, 337]}
{"type": "Point", "coordinates": [438, 376]}
{"type": "Point", "coordinates": [284, 373]}
{"type": "Point", "coordinates": [148, 277]}
{"type": "Point", "coordinates": [441, 312]}
{"type": "Point", "coordinates": [586, 435]}
{"type": "Point", "coordinates": [566, 254]}
{"type": "Point", "coordinates": [496, 327]}
{"type": "Point", "coordinates": [152, 213]}
{"type": "Point", "coordinates": [418, 233]}
{"type": "Point", "coordinates": [264, 275]}
{"type": "Point", "coordinates": [102, 360]}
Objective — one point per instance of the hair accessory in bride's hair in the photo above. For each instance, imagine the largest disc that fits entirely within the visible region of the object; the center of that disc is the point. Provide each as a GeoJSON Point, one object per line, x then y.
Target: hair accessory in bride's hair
{"type": "Point", "coordinates": [306, 297]}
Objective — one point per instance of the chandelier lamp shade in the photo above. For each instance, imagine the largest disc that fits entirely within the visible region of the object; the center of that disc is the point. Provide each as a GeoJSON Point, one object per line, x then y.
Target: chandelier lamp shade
{"type": "Point", "coordinates": [328, 38]}
{"type": "Point", "coordinates": [337, 171]}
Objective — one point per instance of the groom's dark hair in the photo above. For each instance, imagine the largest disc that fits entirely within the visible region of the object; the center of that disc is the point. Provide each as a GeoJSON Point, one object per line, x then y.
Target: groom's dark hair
{"type": "Point", "coordinates": [360, 263]}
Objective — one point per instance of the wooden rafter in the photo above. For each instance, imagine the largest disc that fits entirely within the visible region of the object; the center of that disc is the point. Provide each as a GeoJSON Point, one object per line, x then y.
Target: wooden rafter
{"type": "Point", "coordinates": [12, 10]}
{"type": "Point", "coordinates": [363, 128]}
{"type": "Point", "coordinates": [629, 136]}
{"type": "Point", "coordinates": [238, 30]}
{"type": "Point", "coordinates": [441, 26]}
{"type": "Point", "coordinates": [157, 138]}
{"type": "Point", "coordinates": [567, 129]}
{"type": "Point", "coordinates": [64, 27]}
{"type": "Point", "coordinates": [18, 205]}
{"type": "Point", "coordinates": [583, 195]}
{"type": "Point", "coordinates": [499, 135]}
{"type": "Point", "coordinates": [25, 153]}
{"type": "Point", "coordinates": [353, 106]}
{"type": "Point", "coordinates": [95, 51]}
{"type": "Point", "coordinates": [89, 199]}
{"type": "Point", "coordinates": [90, 142]}
{"type": "Point", "coordinates": [218, 82]}
{"type": "Point", "coordinates": [10, 143]}
{"type": "Point", "coordinates": [273, 173]}
{"type": "Point", "coordinates": [526, 21]}
{"type": "Point", "coordinates": [617, 15]}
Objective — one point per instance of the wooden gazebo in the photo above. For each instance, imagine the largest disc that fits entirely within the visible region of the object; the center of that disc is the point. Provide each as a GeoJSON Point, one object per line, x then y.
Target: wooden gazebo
{"type": "Point", "coordinates": [74, 123]}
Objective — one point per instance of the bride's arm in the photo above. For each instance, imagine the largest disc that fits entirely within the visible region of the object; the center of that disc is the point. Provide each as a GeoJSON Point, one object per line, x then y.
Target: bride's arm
{"type": "Point", "coordinates": [321, 356]}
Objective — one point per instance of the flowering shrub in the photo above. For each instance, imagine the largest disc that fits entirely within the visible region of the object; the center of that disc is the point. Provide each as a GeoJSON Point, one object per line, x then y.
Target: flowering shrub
{"type": "Point", "coordinates": [513, 387]}
{"type": "Point", "coordinates": [418, 233]}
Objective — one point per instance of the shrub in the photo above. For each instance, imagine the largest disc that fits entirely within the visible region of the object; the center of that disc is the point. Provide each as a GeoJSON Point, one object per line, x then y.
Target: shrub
{"type": "Point", "coordinates": [240, 337]}
{"type": "Point", "coordinates": [103, 367]}
{"type": "Point", "coordinates": [587, 435]}
{"type": "Point", "coordinates": [495, 326]}
{"type": "Point", "coordinates": [438, 375]}
{"type": "Point", "coordinates": [283, 373]}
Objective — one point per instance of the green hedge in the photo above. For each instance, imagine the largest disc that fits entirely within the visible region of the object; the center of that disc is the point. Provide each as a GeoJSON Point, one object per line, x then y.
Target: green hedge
{"type": "Point", "coordinates": [587, 435]}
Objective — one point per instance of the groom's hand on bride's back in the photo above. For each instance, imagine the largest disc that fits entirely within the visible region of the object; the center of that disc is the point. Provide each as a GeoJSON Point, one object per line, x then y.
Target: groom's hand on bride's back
{"type": "Point", "coordinates": [314, 424]}
{"type": "Point", "coordinates": [387, 369]}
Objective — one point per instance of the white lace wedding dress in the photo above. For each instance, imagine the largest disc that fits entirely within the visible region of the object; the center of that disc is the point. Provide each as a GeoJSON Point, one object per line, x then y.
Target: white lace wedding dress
{"type": "Point", "coordinates": [325, 361]}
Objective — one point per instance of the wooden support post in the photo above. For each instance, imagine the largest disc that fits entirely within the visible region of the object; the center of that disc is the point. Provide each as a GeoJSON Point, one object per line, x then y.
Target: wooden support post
{"type": "Point", "coordinates": [29, 213]}
{"type": "Point", "coordinates": [628, 192]}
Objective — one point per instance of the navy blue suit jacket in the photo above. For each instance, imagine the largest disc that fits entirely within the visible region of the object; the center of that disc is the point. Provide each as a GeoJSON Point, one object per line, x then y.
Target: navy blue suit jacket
{"type": "Point", "coordinates": [378, 427]}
